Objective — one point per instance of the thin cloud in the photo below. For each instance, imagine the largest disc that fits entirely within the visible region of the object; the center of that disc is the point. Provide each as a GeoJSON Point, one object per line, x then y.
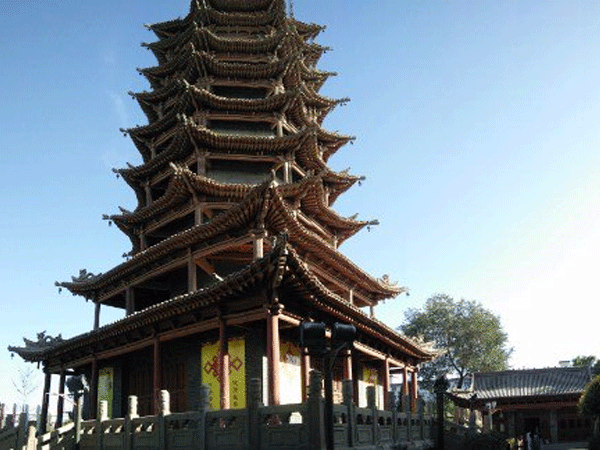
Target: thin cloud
{"type": "Point", "coordinates": [120, 108]}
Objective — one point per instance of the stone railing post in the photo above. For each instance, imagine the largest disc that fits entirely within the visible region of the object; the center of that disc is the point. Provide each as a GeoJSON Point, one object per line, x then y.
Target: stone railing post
{"type": "Point", "coordinates": [371, 404]}
{"type": "Point", "coordinates": [316, 417]}
{"type": "Point", "coordinates": [392, 407]}
{"type": "Point", "coordinates": [31, 443]}
{"type": "Point", "coordinates": [409, 417]}
{"type": "Point", "coordinates": [421, 412]}
{"type": "Point", "coordinates": [165, 409]}
{"type": "Point", "coordinates": [132, 413]}
{"type": "Point", "coordinates": [203, 402]}
{"type": "Point", "coordinates": [77, 417]}
{"type": "Point", "coordinates": [348, 399]}
{"type": "Point", "coordinates": [22, 430]}
{"type": "Point", "coordinates": [255, 402]}
{"type": "Point", "coordinates": [10, 422]}
{"type": "Point", "coordinates": [2, 416]}
{"type": "Point", "coordinates": [102, 416]}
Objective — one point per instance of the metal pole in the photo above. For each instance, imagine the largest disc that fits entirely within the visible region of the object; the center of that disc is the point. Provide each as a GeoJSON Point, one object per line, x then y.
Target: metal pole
{"type": "Point", "coordinates": [440, 387]}
{"type": "Point", "coordinates": [440, 414]}
{"type": "Point", "coordinates": [328, 401]}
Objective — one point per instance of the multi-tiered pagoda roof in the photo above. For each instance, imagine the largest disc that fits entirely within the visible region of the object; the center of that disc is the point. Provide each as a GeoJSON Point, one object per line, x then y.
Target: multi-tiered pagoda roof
{"type": "Point", "coordinates": [234, 193]}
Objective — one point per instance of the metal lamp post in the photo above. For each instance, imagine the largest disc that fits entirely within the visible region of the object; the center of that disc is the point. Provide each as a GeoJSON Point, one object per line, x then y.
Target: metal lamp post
{"type": "Point", "coordinates": [313, 337]}
{"type": "Point", "coordinates": [440, 387]}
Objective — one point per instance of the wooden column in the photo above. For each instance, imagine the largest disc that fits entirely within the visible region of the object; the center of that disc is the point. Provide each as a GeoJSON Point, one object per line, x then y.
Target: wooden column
{"type": "Point", "coordinates": [257, 242]}
{"type": "Point", "coordinates": [386, 383]}
{"type": "Point", "coordinates": [45, 403]}
{"type": "Point", "coordinates": [414, 392]}
{"type": "Point", "coordinates": [553, 425]}
{"type": "Point", "coordinates": [61, 399]}
{"type": "Point", "coordinates": [94, 390]}
{"type": "Point", "coordinates": [305, 368]}
{"type": "Point", "coordinates": [97, 316]}
{"type": "Point", "coordinates": [148, 194]}
{"type": "Point", "coordinates": [273, 355]}
{"type": "Point", "coordinates": [405, 381]}
{"type": "Point", "coordinates": [224, 363]}
{"type": "Point", "coordinates": [156, 376]}
{"type": "Point", "coordinates": [192, 274]}
{"type": "Point", "coordinates": [201, 164]}
{"type": "Point", "coordinates": [287, 172]}
{"type": "Point", "coordinates": [347, 368]}
{"type": "Point", "coordinates": [143, 242]}
{"type": "Point", "coordinates": [129, 301]}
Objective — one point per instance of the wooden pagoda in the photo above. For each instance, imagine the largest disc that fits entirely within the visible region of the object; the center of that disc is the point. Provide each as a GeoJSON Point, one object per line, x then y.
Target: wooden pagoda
{"type": "Point", "coordinates": [234, 241]}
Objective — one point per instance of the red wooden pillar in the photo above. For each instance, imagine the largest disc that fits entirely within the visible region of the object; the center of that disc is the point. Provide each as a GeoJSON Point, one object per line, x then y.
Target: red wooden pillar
{"type": "Point", "coordinates": [405, 381]}
{"type": "Point", "coordinates": [224, 364]}
{"type": "Point", "coordinates": [257, 244]}
{"type": "Point", "coordinates": [156, 376]}
{"type": "Point", "coordinates": [129, 301]}
{"type": "Point", "coordinates": [273, 355]}
{"type": "Point", "coordinates": [305, 368]}
{"type": "Point", "coordinates": [414, 390]}
{"type": "Point", "coordinates": [386, 383]}
{"type": "Point", "coordinates": [61, 399]}
{"type": "Point", "coordinates": [97, 315]}
{"type": "Point", "coordinates": [94, 390]}
{"type": "Point", "coordinates": [347, 367]}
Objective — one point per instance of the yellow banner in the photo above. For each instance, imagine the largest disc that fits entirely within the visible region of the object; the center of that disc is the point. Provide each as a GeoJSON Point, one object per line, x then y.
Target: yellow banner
{"type": "Point", "coordinates": [370, 375]}
{"type": "Point", "coordinates": [105, 387]}
{"type": "Point", "coordinates": [291, 373]}
{"type": "Point", "coordinates": [237, 373]}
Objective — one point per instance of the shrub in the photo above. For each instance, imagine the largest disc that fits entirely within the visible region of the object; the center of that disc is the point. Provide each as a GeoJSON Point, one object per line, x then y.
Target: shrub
{"type": "Point", "coordinates": [486, 441]}
{"type": "Point", "coordinates": [589, 403]}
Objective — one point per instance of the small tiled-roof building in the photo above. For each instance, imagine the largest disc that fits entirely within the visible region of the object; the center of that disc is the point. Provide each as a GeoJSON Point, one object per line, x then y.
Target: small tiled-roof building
{"type": "Point", "coordinates": [531, 399]}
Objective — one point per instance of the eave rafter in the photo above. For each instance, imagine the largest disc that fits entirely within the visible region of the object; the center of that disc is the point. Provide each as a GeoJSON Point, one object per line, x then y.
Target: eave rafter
{"type": "Point", "coordinates": [280, 218]}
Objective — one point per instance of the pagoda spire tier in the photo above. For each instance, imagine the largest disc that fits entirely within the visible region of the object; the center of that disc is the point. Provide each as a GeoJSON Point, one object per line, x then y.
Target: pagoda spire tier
{"type": "Point", "coordinates": [252, 15]}
{"type": "Point", "coordinates": [186, 187]}
{"type": "Point", "coordinates": [186, 98]}
{"type": "Point", "coordinates": [278, 41]}
{"type": "Point", "coordinates": [262, 208]}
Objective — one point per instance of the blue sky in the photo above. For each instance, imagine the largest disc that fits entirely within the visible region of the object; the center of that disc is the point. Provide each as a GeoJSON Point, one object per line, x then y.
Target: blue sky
{"type": "Point", "coordinates": [476, 127]}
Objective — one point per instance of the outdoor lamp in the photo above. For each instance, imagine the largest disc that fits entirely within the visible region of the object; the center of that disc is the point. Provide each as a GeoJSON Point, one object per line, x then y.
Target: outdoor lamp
{"type": "Point", "coordinates": [312, 335]}
{"type": "Point", "coordinates": [343, 333]}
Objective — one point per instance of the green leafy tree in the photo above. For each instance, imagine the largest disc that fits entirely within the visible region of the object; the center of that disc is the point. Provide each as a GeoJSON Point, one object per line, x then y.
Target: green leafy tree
{"type": "Point", "coordinates": [585, 361]}
{"type": "Point", "coordinates": [589, 402]}
{"type": "Point", "coordinates": [470, 337]}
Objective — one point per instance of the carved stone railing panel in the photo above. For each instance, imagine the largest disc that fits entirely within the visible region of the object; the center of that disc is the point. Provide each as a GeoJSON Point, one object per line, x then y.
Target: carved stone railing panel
{"type": "Point", "coordinates": [227, 430]}
{"type": "Point", "coordinates": [284, 427]}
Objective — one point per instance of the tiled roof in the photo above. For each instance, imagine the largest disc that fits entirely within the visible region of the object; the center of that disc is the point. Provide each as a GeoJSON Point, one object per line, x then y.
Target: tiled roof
{"type": "Point", "coordinates": [513, 384]}
{"type": "Point", "coordinates": [282, 259]}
